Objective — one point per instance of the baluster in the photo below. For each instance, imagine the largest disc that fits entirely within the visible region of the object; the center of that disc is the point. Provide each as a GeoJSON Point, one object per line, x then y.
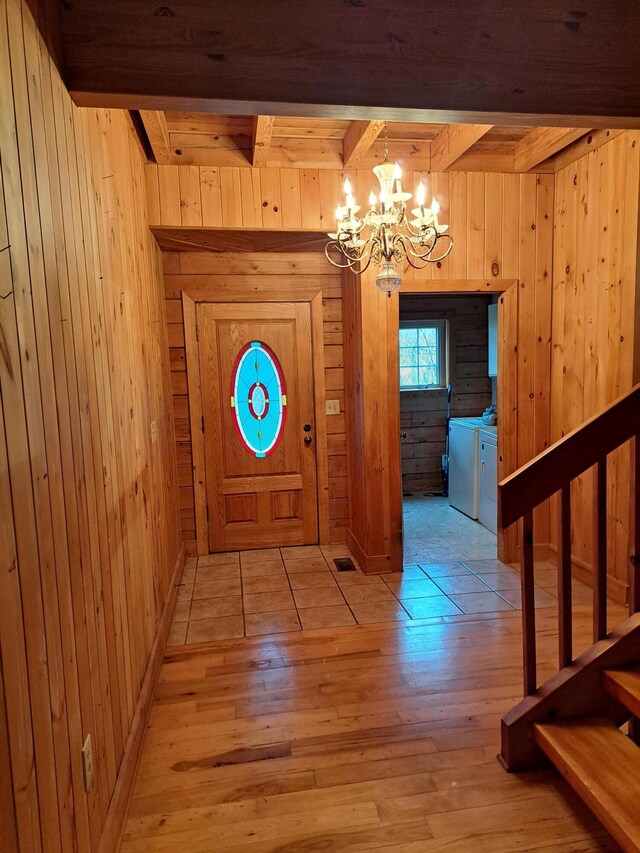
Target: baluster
{"type": "Point", "coordinates": [565, 614]}
{"type": "Point", "coordinates": [528, 605]}
{"type": "Point", "coordinates": [634, 566]}
{"type": "Point", "coordinates": [600, 550]}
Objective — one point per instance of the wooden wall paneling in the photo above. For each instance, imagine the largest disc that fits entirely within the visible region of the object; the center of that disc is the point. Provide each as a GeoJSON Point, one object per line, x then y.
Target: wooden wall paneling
{"type": "Point", "coordinates": [211, 197]}
{"type": "Point", "coordinates": [494, 209]}
{"type": "Point", "coordinates": [250, 193]}
{"type": "Point", "coordinates": [475, 224]}
{"type": "Point", "coordinates": [97, 531]}
{"type": "Point", "coordinates": [507, 395]}
{"type": "Point", "coordinates": [271, 198]}
{"type": "Point", "coordinates": [440, 183]}
{"type": "Point", "coordinates": [169, 186]}
{"type": "Point", "coordinates": [310, 198]}
{"type": "Point", "coordinates": [195, 415]}
{"type": "Point", "coordinates": [458, 224]}
{"type": "Point", "coordinates": [231, 195]}
{"type": "Point", "coordinates": [290, 198]}
{"type": "Point", "coordinates": [190, 204]}
{"type": "Point", "coordinates": [8, 829]}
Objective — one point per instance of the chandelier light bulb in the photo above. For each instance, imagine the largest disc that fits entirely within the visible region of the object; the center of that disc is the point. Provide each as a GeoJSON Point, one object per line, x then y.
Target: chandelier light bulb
{"type": "Point", "coordinates": [435, 207]}
{"type": "Point", "coordinates": [338, 213]}
{"type": "Point", "coordinates": [383, 200]}
{"type": "Point", "coordinates": [373, 200]}
{"type": "Point", "coordinates": [421, 194]}
{"type": "Point", "coordinates": [347, 187]}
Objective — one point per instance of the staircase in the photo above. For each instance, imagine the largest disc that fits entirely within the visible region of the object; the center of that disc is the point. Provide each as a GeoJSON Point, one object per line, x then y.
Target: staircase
{"type": "Point", "coordinates": [574, 720]}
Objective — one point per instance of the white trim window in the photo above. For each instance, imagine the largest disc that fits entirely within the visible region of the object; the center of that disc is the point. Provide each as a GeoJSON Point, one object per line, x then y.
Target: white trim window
{"type": "Point", "coordinates": [423, 354]}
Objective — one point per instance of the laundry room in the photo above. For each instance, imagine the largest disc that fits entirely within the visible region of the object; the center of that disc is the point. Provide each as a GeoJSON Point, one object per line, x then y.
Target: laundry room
{"type": "Point", "coordinates": [448, 425]}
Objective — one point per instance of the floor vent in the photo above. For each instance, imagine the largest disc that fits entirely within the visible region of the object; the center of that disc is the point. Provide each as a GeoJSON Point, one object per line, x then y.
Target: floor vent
{"type": "Point", "coordinates": [344, 564]}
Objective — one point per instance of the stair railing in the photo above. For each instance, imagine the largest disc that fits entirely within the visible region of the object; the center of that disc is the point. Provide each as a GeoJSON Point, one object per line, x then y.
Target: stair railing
{"type": "Point", "coordinates": [552, 471]}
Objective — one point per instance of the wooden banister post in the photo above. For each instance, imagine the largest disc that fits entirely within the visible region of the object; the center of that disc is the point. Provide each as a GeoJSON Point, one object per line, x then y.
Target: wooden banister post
{"type": "Point", "coordinates": [600, 550]}
{"type": "Point", "coordinates": [565, 635]}
{"type": "Point", "coordinates": [528, 605]}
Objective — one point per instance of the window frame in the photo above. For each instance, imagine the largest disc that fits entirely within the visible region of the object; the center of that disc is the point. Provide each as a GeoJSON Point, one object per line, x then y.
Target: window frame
{"type": "Point", "coordinates": [443, 353]}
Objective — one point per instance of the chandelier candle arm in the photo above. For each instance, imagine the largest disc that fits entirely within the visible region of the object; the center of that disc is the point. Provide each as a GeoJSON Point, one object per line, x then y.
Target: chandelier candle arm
{"type": "Point", "coordinates": [384, 236]}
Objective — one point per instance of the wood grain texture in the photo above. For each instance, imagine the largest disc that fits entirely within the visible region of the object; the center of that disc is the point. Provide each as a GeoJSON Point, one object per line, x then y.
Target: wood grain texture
{"type": "Point", "coordinates": [594, 316]}
{"type": "Point", "coordinates": [358, 139]}
{"type": "Point", "coordinates": [89, 503]}
{"type": "Point", "coordinates": [453, 141]}
{"type": "Point", "coordinates": [126, 54]}
{"type": "Point", "coordinates": [343, 739]}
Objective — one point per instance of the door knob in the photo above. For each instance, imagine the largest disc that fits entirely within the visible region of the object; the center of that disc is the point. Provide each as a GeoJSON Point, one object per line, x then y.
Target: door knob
{"type": "Point", "coordinates": [307, 427]}
{"type": "Point", "coordinates": [307, 440]}
{"type": "Point", "coordinates": [403, 435]}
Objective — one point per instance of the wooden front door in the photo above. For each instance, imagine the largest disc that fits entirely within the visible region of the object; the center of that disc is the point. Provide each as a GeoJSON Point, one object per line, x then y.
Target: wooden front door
{"type": "Point", "coordinates": [258, 420]}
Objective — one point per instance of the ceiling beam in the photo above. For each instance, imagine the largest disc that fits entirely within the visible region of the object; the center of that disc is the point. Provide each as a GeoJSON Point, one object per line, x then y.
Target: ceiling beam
{"type": "Point", "coordinates": [589, 142]}
{"type": "Point", "coordinates": [542, 143]}
{"type": "Point", "coordinates": [155, 124]}
{"type": "Point", "coordinates": [464, 61]}
{"type": "Point", "coordinates": [453, 141]}
{"type": "Point", "coordinates": [358, 139]}
{"type": "Point", "coordinates": [261, 139]}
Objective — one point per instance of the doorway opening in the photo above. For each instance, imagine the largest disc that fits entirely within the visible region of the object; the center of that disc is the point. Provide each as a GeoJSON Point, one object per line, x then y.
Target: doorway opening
{"type": "Point", "coordinates": [448, 413]}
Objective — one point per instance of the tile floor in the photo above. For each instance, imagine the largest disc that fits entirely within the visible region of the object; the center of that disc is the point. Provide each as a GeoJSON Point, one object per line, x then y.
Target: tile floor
{"type": "Point", "coordinates": [435, 532]}
{"type": "Point", "coordinates": [223, 596]}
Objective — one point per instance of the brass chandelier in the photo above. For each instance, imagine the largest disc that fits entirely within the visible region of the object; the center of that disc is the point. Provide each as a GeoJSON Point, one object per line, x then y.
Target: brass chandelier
{"type": "Point", "coordinates": [384, 235]}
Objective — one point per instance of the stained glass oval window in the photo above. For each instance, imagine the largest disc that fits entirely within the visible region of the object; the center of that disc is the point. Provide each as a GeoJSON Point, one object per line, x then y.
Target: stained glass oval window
{"type": "Point", "coordinates": [258, 398]}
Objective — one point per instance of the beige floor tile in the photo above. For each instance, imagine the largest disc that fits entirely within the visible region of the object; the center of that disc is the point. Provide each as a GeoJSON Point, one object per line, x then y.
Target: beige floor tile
{"type": "Point", "coordinates": [259, 555]}
{"type": "Point", "coordinates": [308, 580]}
{"type": "Point", "coordinates": [228, 558]}
{"type": "Point", "coordinates": [358, 578]}
{"type": "Point", "coordinates": [444, 570]}
{"type": "Point", "coordinates": [185, 592]}
{"type": "Point", "coordinates": [407, 573]}
{"type": "Point", "coordinates": [425, 608]}
{"type": "Point", "coordinates": [274, 622]}
{"type": "Point", "coordinates": [502, 580]}
{"type": "Point", "coordinates": [221, 628]}
{"type": "Point", "coordinates": [306, 564]}
{"type": "Point", "coordinates": [181, 613]}
{"type": "Point", "coordinates": [265, 583]}
{"type": "Point", "coordinates": [380, 611]}
{"type": "Point", "coordinates": [318, 597]}
{"type": "Point", "coordinates": [481, 602]}
{"type": "Point", "coordinates": [545, 577]}
{"type": "Point", "coordinates": [481, 567]}
{"type": "Point", "coordinates": [217, 573]}
{"type": "Point", "coordinates": [263, 602]}
{"type": "Point", "coordinates": [217, 588]}
{"type": "Point", "coordinates": [331, 551]}
{"type": "Point", "coordinates": [304, 552]}
{"type": "Point", "coordinates": [414, 588]}
{"type": "Point", "coordinates": [208, 608]}
{"type": "Point", "coordinates": [458, 584]}
{"type": "Point", "coordinates": [326, 617]}
{"type": "Point", "coordinates": [367, 593]}
{"type": "Point", "coordinates": [269, 567]}
{"type": "Point", "coordinates": [177, 634]}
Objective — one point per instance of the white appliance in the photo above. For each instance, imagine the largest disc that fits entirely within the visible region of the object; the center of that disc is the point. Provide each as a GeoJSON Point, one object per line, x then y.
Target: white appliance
{"type": "Point", "coordinates": [463, 464]}
{"type": "Point", "coordinates": [488, 478]}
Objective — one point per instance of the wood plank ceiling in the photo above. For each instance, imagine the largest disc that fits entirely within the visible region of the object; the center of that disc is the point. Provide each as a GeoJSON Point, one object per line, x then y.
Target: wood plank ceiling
{"type": "Point", "coordinates": [202, 139]}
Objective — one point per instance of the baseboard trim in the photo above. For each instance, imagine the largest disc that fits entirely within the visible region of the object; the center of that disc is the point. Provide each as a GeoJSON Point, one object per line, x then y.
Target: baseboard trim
{"type": "Point", "coordinates": [616, 589]}
{"type": "Point", "coordinates": [371, 564]}
{"type": "Point", "coordinates": [111, 837]}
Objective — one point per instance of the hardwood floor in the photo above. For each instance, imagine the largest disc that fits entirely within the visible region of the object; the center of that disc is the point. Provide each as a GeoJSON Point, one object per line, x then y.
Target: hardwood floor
{"type": "Point", "coordinates": [351, 739]}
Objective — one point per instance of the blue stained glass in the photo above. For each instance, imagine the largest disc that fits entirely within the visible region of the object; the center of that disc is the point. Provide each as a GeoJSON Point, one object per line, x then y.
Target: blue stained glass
{"type": "Point", "coordinates": [258, 398]}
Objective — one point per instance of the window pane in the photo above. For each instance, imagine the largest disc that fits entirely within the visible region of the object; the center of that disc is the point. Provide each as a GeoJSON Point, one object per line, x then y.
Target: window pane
{"type": "Point", "coordinates": [428, 356]}
{"type": "Point", "coordinates": [408, 376]}
{"type": "Point", "coordinates": [408, 356]}
{"type": "Point", "coordinates": [408, 337]}
{"type": "Point", "coordinates": [428, 337]}
{"type": "Point", "coordinates": [428, 376]}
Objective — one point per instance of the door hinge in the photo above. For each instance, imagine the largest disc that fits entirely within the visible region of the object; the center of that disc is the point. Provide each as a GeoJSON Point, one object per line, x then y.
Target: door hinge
{"type": "Point", "coordinates": [202, 423]}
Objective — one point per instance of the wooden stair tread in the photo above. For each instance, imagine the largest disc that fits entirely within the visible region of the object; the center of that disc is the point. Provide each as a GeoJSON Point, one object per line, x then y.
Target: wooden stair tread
{"type": "Point", "coordinates": [624, 685]}
{"type": "Point", "coordinates": [603, 767]}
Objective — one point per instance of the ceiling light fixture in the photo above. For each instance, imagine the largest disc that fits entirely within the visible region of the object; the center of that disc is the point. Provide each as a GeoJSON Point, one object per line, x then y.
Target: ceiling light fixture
{"type": "Point", "coordinates": [384, 235]}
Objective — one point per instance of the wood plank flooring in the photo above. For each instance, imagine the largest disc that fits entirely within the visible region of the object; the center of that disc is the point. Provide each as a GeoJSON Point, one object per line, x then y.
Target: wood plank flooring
{"type": "Point", "coordinates": [371, 737]}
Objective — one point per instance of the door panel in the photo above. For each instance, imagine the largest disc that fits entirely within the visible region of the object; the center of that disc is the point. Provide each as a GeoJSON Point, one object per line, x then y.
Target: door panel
{"type": "Point", "coordinates": [257, 399]}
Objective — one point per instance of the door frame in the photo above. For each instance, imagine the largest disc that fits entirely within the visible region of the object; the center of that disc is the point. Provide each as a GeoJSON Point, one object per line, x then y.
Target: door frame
{"type": "Point", "coordinates": [230, 292]}
{"type": "Point", "coordinates": [507, 380]}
